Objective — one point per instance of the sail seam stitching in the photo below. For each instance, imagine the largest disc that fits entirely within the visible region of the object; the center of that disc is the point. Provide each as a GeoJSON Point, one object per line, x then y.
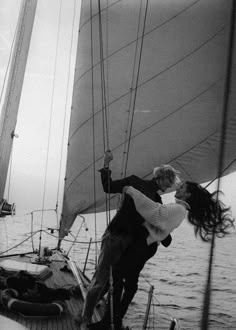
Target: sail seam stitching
{"type": "Point", "coordinates": [153, 77]}
{"type": "Point", "coordinates": [147, 33]}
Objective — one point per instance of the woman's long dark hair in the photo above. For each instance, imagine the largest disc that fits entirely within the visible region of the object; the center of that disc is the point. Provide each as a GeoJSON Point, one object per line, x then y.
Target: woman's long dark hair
{"type": "Point", "coordinates": [208, 214]}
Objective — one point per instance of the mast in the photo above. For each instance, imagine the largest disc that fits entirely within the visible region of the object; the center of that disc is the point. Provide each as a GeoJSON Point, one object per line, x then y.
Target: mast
{"type": "Point", "coordinates": [14, 86]}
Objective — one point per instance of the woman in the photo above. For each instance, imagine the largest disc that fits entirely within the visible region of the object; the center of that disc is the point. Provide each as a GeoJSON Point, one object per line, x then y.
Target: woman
{"type": "Point", "coordinates": [204, 211]}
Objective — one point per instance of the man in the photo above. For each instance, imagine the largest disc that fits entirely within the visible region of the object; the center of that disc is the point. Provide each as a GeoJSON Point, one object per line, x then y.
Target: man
{"type": "Point", "coordinates": [123, 236]}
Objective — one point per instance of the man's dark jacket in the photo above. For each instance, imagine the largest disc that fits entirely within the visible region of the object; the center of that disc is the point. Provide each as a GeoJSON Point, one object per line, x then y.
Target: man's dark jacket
{"type": "Point", "coordinates": [127, 219]}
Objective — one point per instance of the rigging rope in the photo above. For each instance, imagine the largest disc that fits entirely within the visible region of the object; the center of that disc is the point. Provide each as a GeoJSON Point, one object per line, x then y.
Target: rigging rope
{"type": "Point", "coordinates": [221, 174]}
{"type": "Point", "coordinates": [106, 147]}
{"type": "Point", "coordinates": [104, 103]}
{"type": "Point", "coordinates": [66, 104]}
{"type": "Point", "coordinates": [103, 83]}
{"type": "Point", "coordinates": [136, 84]}
{"type": "Point", "coordinates": [104, 109]}
{"type": "Point", "coordinates": [76, 236]}
{"type": "Point", "coordinates": [15, 246]}
{"type": "Point", "coordinates": [93, 123]}
{"type": "Point", "coordinates": [50, 122]}
{"type": "Point", "coordinates": [123, 166]}
{"type": "Point", "coordinates": [107, 67]}
{"type": "Point", "coordinates": [207, 297]}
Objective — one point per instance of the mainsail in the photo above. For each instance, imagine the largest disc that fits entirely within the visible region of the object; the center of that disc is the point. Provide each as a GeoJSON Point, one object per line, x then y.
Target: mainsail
{"type": "Point", "coordinates": [150, 85]}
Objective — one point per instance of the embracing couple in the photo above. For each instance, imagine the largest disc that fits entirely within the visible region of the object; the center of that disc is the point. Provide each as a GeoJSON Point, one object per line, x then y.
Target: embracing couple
{"type": "Point", "coordinates": [139, 226]}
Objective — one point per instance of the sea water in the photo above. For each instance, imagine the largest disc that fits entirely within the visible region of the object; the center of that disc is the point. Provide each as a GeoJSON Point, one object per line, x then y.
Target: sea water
{"type": "Point", "coordinates": [178, 273]}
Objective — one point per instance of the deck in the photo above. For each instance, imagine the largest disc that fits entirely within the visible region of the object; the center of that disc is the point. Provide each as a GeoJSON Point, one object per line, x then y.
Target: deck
{"type": "Point", "coordinates": [58, 279]}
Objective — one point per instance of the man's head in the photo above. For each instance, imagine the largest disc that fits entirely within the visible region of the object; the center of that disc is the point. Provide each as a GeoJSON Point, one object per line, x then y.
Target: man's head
{"type": "Point", "coordinates": [166, 176]}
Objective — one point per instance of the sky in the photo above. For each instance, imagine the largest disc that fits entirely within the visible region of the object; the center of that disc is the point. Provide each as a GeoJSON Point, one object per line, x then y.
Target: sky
{"type": "Point", "coordinates": [44, 94]}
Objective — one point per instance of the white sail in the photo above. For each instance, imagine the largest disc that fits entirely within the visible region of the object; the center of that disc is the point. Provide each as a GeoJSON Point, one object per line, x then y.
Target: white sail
{"type": "Point", "coordinates": [14, 86]}
{"type": "Point", "coordinates": [176, 54]}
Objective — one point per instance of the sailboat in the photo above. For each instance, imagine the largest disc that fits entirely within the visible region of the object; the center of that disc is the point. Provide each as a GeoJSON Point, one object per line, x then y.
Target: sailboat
{"type": "Point", "coordinates": [154, 82]}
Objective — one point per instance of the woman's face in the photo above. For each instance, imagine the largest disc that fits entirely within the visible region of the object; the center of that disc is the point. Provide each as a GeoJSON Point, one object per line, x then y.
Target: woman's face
{"type": "Point", "coordinates": [182, 192]}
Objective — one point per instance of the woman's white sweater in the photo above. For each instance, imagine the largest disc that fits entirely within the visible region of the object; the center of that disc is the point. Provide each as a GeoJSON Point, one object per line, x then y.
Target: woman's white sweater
{"type": "Point", "coordinates": [161, 220]}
